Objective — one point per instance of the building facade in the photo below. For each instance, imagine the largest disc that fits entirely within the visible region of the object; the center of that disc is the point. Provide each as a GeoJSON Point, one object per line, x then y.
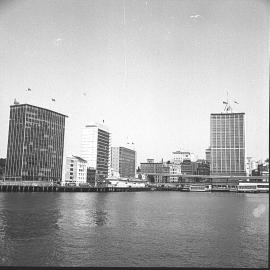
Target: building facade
{"type": "Point", "coordinates": [227, 143]}
{"type": "Point", "coordinates": [208, 155]}
{"type": "Point", "coordinates": [123, 161]}
{"type": "Point", "coordinates": [180, 156]}
{"type": "Point", "coordinates": [35, 144]}
{"type": "Point", "coordinates": [95, 149]}
{"type": "Point", "coordinates": [149, 169]}
{"type": "Point", "coordinates": [251, 165]}
{"type": "Point", "coordinates": [174, 169]}
{"type": "Point", "coordinates": [188, 167]}
{"type": "Point", "coordinates": [203, 167]}
{"type": "Point", "coordinates": [76, 170]}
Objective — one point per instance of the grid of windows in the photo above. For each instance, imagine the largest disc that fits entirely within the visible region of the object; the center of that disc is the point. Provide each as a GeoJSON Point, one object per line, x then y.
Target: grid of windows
{"type": "Point", "coordinates": [35, 144]}
{"type": "Point", "coordinates": [227, 138]}
{"type": "Point", "coordinates": [123, 160]}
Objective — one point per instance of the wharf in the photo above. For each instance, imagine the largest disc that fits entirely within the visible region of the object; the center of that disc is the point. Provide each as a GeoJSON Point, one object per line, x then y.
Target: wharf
{"type": "Point", "coordinates": [30, 188]}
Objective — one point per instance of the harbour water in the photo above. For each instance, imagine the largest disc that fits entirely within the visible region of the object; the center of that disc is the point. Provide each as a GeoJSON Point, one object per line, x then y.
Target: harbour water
{"type": "Point", "coordinates": [134, 229]}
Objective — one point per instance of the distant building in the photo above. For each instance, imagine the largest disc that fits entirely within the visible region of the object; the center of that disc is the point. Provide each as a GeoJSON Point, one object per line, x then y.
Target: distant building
{"type": "Point", "coordinates": [227, 142]}
{"type": "Point", "coordinates": [208, 155]}
{"type": "Point", "coordinates": [35, 144]}
{"type": "Point", "coordinates": [263, 169]}
{"type": "Point", "coordinates": [188, 167]}
{"type": "Point", "coordinates": [152, 168]}
{"type": "Point", "coordinates": [174, 169]}
{"type": "Point", "coordinates": [251, 165]}
{"type": "Point", "coordinates": [76, 170]}
{"type": "Point", "coordinates": [203, 167]}
{"type": "Point", "coordinates": [2, 168]}
{"type": "Point", "coordinates": [180, 156]}
{"type": "Point", "coordinates": [123, 161]}
{"type": "Point", "coordinates": [95, 149]}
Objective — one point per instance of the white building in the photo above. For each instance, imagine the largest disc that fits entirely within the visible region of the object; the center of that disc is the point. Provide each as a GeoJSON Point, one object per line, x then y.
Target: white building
{"type": "Point", "coordinates": [76, 170]}
{"type": "Point", "coordinates": [251, 165]}
{"type": "Point", "coordinates": [174, 169]}
{"type": "Point", "coordinates": [180, 156]}
{"type": "Point", "coordinates": [95, 149]}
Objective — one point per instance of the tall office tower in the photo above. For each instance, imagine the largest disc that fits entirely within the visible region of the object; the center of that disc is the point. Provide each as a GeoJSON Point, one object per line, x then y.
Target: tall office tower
{"type": "Point", "coordinates": [35, 144]}
{"type": "Point", "coordinates": [123, 161]}
{"type": "Point", "coordinates": [95, 149]}
{"type": "Point", "coordinates": [227, 143]}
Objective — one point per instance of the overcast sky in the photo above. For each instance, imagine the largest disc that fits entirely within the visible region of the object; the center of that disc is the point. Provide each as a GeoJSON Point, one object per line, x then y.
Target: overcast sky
{"type": "Point", "coordinates": [152, 70]}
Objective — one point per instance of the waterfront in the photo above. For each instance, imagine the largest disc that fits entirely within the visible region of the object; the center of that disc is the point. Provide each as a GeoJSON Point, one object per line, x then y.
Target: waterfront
{"type": "Point", "coordinates": [134, 229]}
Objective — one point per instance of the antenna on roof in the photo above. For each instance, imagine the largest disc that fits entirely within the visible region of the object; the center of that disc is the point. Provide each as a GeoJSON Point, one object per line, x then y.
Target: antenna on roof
{"type": "Point", "coordinates": [16, 102]}
{"type": "Point", "coordinates": [228, 106]}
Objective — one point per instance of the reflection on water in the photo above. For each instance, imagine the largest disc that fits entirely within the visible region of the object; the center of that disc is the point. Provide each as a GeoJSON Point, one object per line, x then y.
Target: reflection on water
{"type": "Point", "coordinates": [134, 229]}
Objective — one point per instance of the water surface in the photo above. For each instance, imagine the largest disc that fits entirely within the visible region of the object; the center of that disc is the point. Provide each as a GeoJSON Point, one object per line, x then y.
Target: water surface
{"type": "Point", "coordinates": [185, 229]}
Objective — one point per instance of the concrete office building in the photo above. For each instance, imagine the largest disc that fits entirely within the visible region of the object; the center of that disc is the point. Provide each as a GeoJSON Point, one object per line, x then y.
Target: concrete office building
{"type": "Point", "coordinates": [35, 144]}
{"type": "Point", "coordinates": [76, 170]}
{"type": "Point", "coordinates": [123, 161]}
{"type": "Point", "coordinates": [227, 143]}
{"type": "Point", "coordinates": [95, 149]}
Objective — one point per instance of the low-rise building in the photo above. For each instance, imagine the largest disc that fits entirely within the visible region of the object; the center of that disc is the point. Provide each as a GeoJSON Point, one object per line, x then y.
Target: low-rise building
{"type": "Point", "coordinates": [76, 170]}
{"type": "Point", "coordinates": [203, 167]}
{"type": "Point", "coordinates": [154, 171]}
{"type": "Point", "coordinates": [174, 169]}
{"type": "Point", "coordinates": [180, 156]}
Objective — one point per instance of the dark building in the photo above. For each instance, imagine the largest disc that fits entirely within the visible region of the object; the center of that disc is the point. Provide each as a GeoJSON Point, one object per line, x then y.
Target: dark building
{"type": "Point", "coordinates": [123, 161]}
{"type": "Point", "coordinates": [151, 168]}
{"type": "Point", "coordinates": [188, 167]}
{"type": "Point", "coordinates": [35, 144]}
{"type": "Point", "coordinates": [203, 167]}
{"type": "Point", "coordinates": [2, 168]}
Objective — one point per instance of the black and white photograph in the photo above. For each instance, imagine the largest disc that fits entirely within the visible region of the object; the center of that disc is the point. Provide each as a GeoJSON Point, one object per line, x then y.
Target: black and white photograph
{"type": "Point", "coordinates": [134, 133]}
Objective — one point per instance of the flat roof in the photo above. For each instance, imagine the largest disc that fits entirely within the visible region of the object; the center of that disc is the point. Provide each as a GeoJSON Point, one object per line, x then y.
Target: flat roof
{"type": "Point", "coordinates": [25, 104]}
{"type": "Point", "coordinates": [224, 113]}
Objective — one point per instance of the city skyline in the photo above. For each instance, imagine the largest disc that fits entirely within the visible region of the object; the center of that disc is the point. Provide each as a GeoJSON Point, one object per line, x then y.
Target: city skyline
{"type": "Point", "coordinates": [153, 81]}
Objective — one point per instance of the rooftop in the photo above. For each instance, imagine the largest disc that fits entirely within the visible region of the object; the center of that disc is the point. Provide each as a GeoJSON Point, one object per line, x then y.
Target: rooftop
{"type": "Point", "coordinates": [80, 159]}
{"type": "Point", "coordinates": [25, 104]}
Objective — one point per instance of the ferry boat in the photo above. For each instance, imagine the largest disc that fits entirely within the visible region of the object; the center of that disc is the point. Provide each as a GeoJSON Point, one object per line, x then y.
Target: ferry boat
{"type": "Point", "coordinates": [184, 189]}
{"type": "Point", "coordinates": [125, 182]}
{"type": "Point", "coordinates": [253, 187]}
{"type": "Point", "coordinates": [220, 188]}
{"type": "Point", "coordinates": [199, 188]}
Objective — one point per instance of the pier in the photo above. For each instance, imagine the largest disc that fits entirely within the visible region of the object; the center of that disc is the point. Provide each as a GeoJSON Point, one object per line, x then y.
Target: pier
{"type": "Point", "coordinates": [31, 188]}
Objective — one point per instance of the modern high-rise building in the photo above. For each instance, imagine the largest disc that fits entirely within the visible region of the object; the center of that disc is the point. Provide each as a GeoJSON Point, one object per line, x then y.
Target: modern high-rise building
{"type": "Point", "coordinates": [123, 161]}
{"type": "Point", "coordinates": [95, 149]}
{"type": "Point", "coordinates": [35, 144]}
{"type": "Point", "coordinates": [227, 143]}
